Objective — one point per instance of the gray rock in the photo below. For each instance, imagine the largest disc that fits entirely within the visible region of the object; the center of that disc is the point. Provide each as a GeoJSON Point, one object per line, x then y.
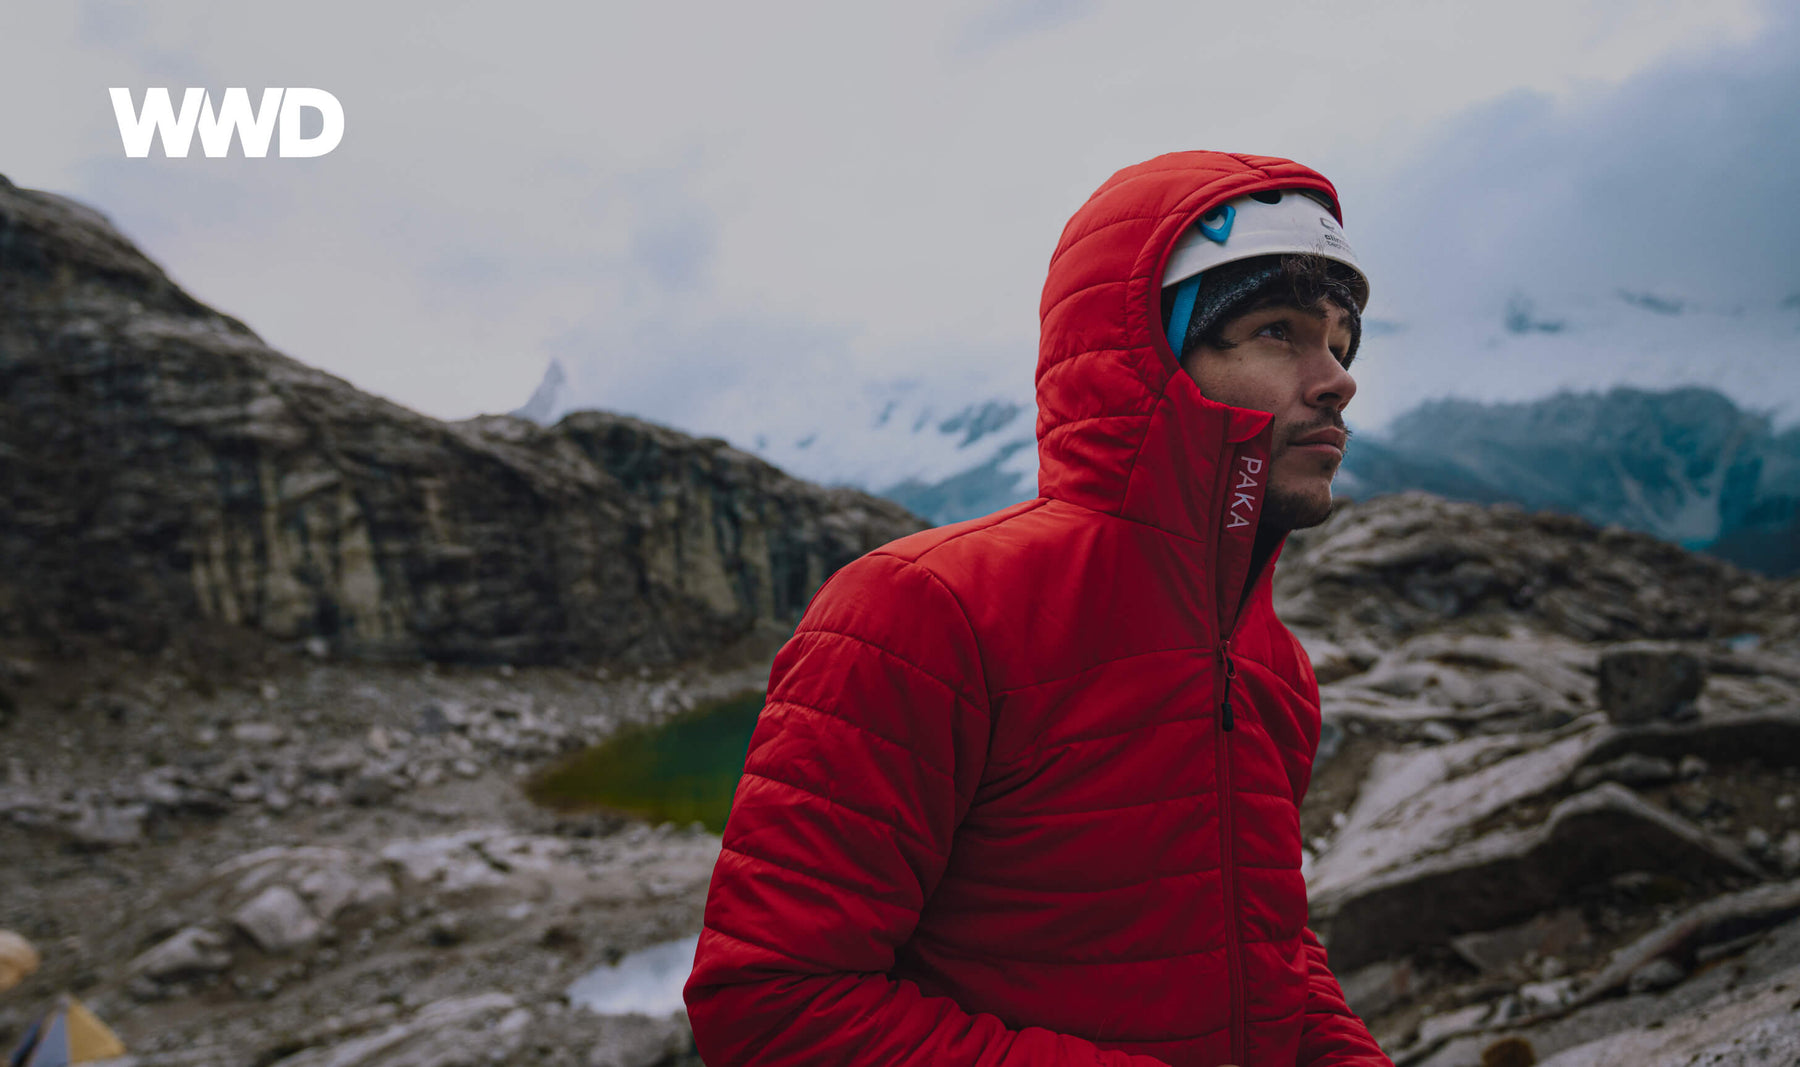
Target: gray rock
{"type": "Point", "coordinates": [1507, 876]}
{"type": "Point", "coordinates": [258, 733]}
{"type": "Point", "coordinates": [1758, 1028]}
{"type": "Point", "coordinates": [1766, 735]}
{"type": "Point", "coordinates": [433, 721]}
{"type": "Point", "coordinates": [467, 1031]}
{"type": "Point", "coordinates": [368, 789]}
{"type": "Point", "coordinates": [195, 950]}
{"type": "Point", "coordinates": [1547, 995]}
{"type": "Point", "coordinates": [1633, 769]}
{"type": "Point", "coordinates": [639, 1041]}
{"type": "Point", "coordinates": [1787, 853]}
{"type": "Point", "coordinates": [1721, 919]}
{"type": "Point", "coordinates": [1658, 974]}
{"type": "Point", "coordinates": [1439, 1028]}
{"type": "Point", "coordinates": [1373, 990]}
{"type": "Point", "coordinates": [1543, 936]}
{"type": "Point", "coordinates": [278, 921]}
{"type": "Point", "coordinates": [1439, 732]}
{"type": "Point", "coordinates": [1641, 682]}
{"type": "Point", "coordinates": [1418, 802]}
{"type": "Point", "coordinates": [109, 825]}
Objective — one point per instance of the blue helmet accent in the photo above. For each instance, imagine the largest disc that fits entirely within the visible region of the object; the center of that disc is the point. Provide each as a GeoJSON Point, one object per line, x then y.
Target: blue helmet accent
{"type": "Point", "coordinates": [1218, 234]}
{"type": "Point", "coordinates": [1182, 312]}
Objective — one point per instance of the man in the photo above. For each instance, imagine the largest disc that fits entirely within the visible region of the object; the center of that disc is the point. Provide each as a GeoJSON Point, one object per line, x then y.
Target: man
{"type": "Point", "coordinates": [1026, 788]}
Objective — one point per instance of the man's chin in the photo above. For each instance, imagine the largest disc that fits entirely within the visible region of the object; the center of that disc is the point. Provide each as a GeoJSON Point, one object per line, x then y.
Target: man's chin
{"type": "Point", "coordinates": [1286, 510]}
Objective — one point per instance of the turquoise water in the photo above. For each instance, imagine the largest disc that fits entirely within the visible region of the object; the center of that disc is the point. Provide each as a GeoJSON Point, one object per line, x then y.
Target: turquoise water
{"type": "Point", "coordinates": [683, 771]}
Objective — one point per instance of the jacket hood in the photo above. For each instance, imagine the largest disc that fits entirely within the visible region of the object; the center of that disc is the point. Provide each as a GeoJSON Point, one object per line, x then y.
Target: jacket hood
{"type": "Point", "coordinates": [1121, 428]}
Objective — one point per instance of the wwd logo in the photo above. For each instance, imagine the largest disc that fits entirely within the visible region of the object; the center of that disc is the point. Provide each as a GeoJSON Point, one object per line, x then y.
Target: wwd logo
{"type": "Point", "coordinates": [233, 117]}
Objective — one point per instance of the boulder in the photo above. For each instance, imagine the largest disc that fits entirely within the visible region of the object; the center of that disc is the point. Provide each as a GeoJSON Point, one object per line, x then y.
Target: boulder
{"type": "Point", "coordinates": [1770, 736]}
{"type": "Point", "coordinates": [1551, 934]}
{"type": "Point", "coordinates": [278, 921]}
{"type": "Point", "coordinates": [1681, 939]}
{"type": "Point", "coordinates": [1643, 681]}
{"type": "Point", "coordinates": [1507, 876]}
{"type": "Point", "coordinates": [194, 950]}
{"type": "Point", "coordinates": [1418, 802]}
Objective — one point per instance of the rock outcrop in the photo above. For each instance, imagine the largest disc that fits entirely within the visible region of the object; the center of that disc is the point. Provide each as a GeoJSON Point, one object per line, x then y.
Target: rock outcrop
{"type": "Point", "coordinates": [1558, 788]}
{"type": "Point", "coordinates": [165, 467]}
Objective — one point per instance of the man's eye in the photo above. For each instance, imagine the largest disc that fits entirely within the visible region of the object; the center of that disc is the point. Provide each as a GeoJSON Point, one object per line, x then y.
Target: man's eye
{"type": "Point", "coordinates": [1276, 330]}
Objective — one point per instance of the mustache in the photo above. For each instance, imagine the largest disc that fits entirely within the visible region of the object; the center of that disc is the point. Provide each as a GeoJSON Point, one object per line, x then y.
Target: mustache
{"type": "Point", "coordinates": [1335, 423]}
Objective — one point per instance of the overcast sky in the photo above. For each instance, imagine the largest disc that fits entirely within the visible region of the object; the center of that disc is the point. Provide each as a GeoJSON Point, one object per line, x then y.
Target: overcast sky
{"type": "Point", "coordinates": [700, 207]}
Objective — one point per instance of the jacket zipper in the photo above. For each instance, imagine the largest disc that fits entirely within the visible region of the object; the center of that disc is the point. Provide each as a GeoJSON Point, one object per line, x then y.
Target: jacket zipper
{"type": "Point", "coordinates": [1226, 718]}
{"type": "Point", "coordinates": [1227, 832]}
{"type": "Point", "coordinates": [1230, 673]}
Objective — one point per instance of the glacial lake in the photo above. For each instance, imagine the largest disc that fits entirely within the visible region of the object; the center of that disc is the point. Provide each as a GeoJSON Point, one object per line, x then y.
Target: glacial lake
{"type": "Point", "coordinates": [682, 771]}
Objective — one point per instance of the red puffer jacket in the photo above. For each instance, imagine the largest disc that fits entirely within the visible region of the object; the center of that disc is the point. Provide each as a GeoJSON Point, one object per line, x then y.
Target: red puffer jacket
{"type": "Point", "coordinates": [1024, 792]}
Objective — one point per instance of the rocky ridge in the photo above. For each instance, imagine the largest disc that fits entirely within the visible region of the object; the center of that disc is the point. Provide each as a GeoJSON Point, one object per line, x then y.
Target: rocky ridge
{"type": "Point", "coordinates": [165, 468]}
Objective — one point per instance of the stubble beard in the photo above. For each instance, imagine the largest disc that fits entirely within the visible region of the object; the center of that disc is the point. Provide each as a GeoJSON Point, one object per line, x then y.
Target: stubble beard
{"type": "Point", "coordinates": [1283, 511]}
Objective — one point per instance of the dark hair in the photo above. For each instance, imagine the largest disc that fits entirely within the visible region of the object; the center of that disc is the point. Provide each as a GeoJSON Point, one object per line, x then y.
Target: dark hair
{"type": "Point", "coordinates": [1297, 280]}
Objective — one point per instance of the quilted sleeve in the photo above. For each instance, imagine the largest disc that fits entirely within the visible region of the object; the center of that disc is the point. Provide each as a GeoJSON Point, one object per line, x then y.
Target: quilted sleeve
{"type": "Point", "coordinates": [861, 766]}
{"type": "Point", "coordinates": [1331, 1034]}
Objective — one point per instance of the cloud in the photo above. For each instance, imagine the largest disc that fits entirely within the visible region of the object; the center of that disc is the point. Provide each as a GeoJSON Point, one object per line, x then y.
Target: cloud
{"type": "Point", "coordinates": [1642, 233]}
{"type": "Point", "coordinates": [1682, 183]}
{"type": "Point", "coordinates": [1004, 21]}
{"type": "Point", "coordinates": [882, 183]}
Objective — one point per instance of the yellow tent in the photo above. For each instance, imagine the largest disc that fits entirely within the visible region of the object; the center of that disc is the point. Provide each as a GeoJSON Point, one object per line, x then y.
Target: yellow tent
{"type": "Point", "coordinates": [68, 1034]}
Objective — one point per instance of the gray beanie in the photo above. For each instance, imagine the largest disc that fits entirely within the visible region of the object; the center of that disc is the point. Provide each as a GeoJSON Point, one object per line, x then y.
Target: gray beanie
{"type": "Point", "coordinates": [1231, 289]}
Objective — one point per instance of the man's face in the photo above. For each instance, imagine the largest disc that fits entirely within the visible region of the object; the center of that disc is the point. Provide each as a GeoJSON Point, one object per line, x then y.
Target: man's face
{"type": "Point", "coordinates": [1287, 361]}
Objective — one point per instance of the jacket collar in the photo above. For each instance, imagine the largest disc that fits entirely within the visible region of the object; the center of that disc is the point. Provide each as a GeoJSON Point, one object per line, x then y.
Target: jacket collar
{"type": "Point", "coordinates": [1121, 428]}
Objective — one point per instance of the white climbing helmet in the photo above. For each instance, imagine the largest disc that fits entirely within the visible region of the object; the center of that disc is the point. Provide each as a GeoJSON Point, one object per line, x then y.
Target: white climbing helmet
{"type": "Point", "coordinates": [1266, 222]}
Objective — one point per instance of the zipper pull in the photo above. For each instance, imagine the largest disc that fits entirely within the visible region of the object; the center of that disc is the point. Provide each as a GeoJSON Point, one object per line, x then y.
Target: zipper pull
{"type": "Point", "coordinates": [1230, 673]}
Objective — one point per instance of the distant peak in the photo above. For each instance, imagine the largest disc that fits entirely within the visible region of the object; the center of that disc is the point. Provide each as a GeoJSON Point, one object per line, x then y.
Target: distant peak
{"type": "Point", "coordinates": [541, 408]}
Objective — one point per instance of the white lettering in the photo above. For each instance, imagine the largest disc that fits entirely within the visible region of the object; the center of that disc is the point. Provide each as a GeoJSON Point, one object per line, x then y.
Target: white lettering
{"type": "Point", "coordinates": [1244, 499]}
{"type": "Point", "coordinates": [1236, 521]}
{"type": "Point", "coordinates": [253, 129]}
{"type": "Point", "coordinates": [292, 144]}
{"type": "Point", "coordinates": [157, 118]}
{"type": "Point", "coordinates": [1244, 480]}
{"type": "Point", "coordinates": [234, 117]}
{"type": "Point", "coordinates": [1252, 464]}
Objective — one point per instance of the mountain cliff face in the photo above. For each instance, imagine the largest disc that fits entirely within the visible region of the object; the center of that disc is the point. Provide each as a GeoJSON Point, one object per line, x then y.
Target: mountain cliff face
{"type": "Point", "coordinates": [164, 467]}
{"type": "Point", "coordinates": [1686, 465]}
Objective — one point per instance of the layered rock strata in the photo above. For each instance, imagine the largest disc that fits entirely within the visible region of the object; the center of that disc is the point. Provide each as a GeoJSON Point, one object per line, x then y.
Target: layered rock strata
{"type": "Point", "coordinates": [164, 467]}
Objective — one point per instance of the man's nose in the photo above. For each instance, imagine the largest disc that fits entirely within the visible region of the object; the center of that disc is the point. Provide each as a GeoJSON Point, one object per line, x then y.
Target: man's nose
{"type": "Point", "coordinates": [1333, 386]}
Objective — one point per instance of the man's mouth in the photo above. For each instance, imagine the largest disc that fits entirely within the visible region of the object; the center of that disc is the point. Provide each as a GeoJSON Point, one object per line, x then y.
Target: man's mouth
{"type": "Point", "coordinates": [1330, 441]}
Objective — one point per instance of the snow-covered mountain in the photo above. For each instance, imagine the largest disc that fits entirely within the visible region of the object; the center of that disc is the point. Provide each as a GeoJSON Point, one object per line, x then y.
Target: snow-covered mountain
{"type": "Point", "coordinates": [1654, 412]}
{"type": "Point", "coordinates": [1687, 465]}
